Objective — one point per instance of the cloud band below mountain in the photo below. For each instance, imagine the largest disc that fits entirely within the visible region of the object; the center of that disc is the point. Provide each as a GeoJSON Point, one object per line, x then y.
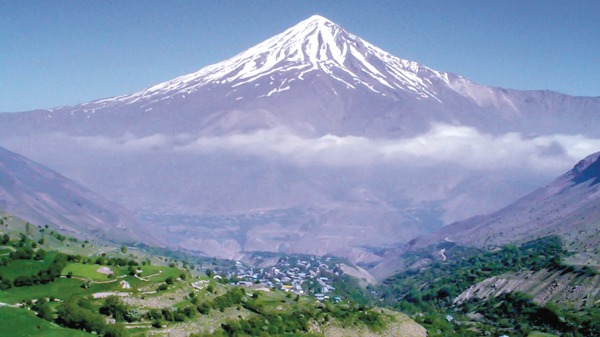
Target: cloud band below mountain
{"type": "Point", "coordinates": [442, 144]}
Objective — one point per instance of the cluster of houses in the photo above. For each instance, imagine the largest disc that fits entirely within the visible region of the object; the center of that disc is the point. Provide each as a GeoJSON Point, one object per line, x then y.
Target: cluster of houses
{"type": "Point", "coordinates": [309, 275]}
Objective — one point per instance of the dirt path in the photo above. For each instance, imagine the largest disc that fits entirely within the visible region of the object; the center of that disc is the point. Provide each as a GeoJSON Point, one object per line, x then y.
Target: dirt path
{"type": "Point", "coordinates": [442, 254]}
{"type": "Point", "coordinates": [2, 304]}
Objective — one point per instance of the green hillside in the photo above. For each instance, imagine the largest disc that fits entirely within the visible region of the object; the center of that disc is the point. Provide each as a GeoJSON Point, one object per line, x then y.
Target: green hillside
{"type": "Point", "coordinates": [52, 284]}
{"type": "Point", "coordinates": [465, 293]}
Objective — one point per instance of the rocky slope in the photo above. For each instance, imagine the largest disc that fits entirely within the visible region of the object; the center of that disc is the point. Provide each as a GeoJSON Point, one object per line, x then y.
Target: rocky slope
{"type": "Point", "coordinates": [566, 289]}
{"type": "Point", "coordinates": [42, 196]}
{"type": "Point", "coordinates": [567, 207]}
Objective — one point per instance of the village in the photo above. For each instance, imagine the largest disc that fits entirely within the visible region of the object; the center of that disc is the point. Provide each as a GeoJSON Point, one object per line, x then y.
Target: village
{"type": "Point", "coordinates": [303, 275]}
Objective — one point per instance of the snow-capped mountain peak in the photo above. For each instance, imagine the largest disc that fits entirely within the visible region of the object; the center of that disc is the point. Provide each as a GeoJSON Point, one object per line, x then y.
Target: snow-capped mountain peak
{"type": "Point", "coordinates": [313, 45]}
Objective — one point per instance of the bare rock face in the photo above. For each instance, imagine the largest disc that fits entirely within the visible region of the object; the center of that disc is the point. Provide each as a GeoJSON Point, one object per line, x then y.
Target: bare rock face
{"type": "Point", "coordinates": [587, 170]}
{"type": "Point", "coordinates": [313, 141]}
{"type": "Point", "coordinates": [566, 289]}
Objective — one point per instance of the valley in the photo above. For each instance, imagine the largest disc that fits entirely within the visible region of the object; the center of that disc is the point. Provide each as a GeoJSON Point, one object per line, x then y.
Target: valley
{"type": "Point", "coordinates": [311, 185]}
{"type": "Point", "coordinates": [138, 292]}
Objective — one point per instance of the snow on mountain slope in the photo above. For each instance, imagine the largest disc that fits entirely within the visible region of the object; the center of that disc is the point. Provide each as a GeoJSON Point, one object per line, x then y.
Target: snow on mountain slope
{"type": "Point", "coordinates": [316, 79]}
{"type": "Point", "coordinates": [313, 44]}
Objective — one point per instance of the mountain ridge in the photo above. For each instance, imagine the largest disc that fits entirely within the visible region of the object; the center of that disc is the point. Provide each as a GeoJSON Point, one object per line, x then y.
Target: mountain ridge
{"type": "Point", "coordinates": [296, 58]}
{"type": "Point", "coordinates": [565, 207]}
{"type": "Point", "coordinates": [361, 149]}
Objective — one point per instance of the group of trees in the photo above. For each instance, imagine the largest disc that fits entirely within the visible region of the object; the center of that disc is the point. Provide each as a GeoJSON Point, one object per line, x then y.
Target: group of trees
{"type": "Point", "coordinates": [114, 307]}
{"type": "Point", "coordinates": [115, 261]}
{"type": "Point", "coordinates": [440, 283]}
{"type": "Point", "coordinates": [43, 309]}
{"type": "Point", "coordinates": [43, 276]}
{"type": "Point", "coordinates": [78, 314]}
{"type": "Point", "coordinates": [297, 320]}
{"type": "Point", "coordinates": [48, 275]}
{"type": "Point", "coordinates": [25, 253]}
{"type": "Point", "coordinates": [159, 316]}
{"type": "Point", "coordinates": [24, 249]}
{"type": "Point", "coordinates": [431, 290]}
{"type": "Point", "coordinates": [516, 312]}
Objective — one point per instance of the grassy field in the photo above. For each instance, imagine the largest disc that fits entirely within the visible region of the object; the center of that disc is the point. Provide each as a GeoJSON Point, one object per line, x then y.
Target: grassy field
{"type": "Point", "coordinates": [62, 289]}
{"type": "Point", "coordinates": [540, 334]}
{"type": "Point", "coordinates": [90, 271]}
{"type": "Point", "coordinates": [274, 302]}
{"type": "Point", "coordinates": [15, 322]}
{"type": "Point", "coordinates": [24, 267]}
{"type": "Point", "coordinates": [158, 273]}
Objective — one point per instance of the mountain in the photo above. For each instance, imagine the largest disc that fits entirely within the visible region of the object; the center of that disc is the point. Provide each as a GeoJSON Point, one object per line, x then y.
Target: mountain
{"type": "Point", "coordinates": [317, 79]}
{"type": "Point", "coordinates": [313, 141]}
{"type": "Point", "coordinates": [568, 207]}
{"type": "Point", "coordinates": [42, 196]}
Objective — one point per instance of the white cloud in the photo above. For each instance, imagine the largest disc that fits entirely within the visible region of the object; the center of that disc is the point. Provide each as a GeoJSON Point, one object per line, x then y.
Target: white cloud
{"type": "Point", "coordinates": [443, 144]}
{"type": "Point", "coordinates": [460, 145]}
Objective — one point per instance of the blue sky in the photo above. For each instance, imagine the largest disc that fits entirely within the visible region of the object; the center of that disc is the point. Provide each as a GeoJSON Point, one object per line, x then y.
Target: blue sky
{"type": "Point", "coordinates": [67, 52]}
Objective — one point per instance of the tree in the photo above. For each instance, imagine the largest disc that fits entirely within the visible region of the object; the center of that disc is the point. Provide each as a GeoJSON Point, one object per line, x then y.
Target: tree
{"type": "Point", "coordinates": [58, 264]}
{"type": "Point", "coordinates": [5, 283]}
{"type": "Point", "coordinates": [113, 306]}
{"type": "Point", "coordinates": [45, 312]}
{"type": "Point", "coordinates": [115, 330]}
{"type": "Point", "coordinates": [40, 254]}
{"type": "Point", "coordinates": [22, 253]}
{"type": "Point", "coordinates": [203, 308]}
{"type": "Point", "coordinates": [72, 315]}
{"type": "Point", "coordinates": [23, 280]}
